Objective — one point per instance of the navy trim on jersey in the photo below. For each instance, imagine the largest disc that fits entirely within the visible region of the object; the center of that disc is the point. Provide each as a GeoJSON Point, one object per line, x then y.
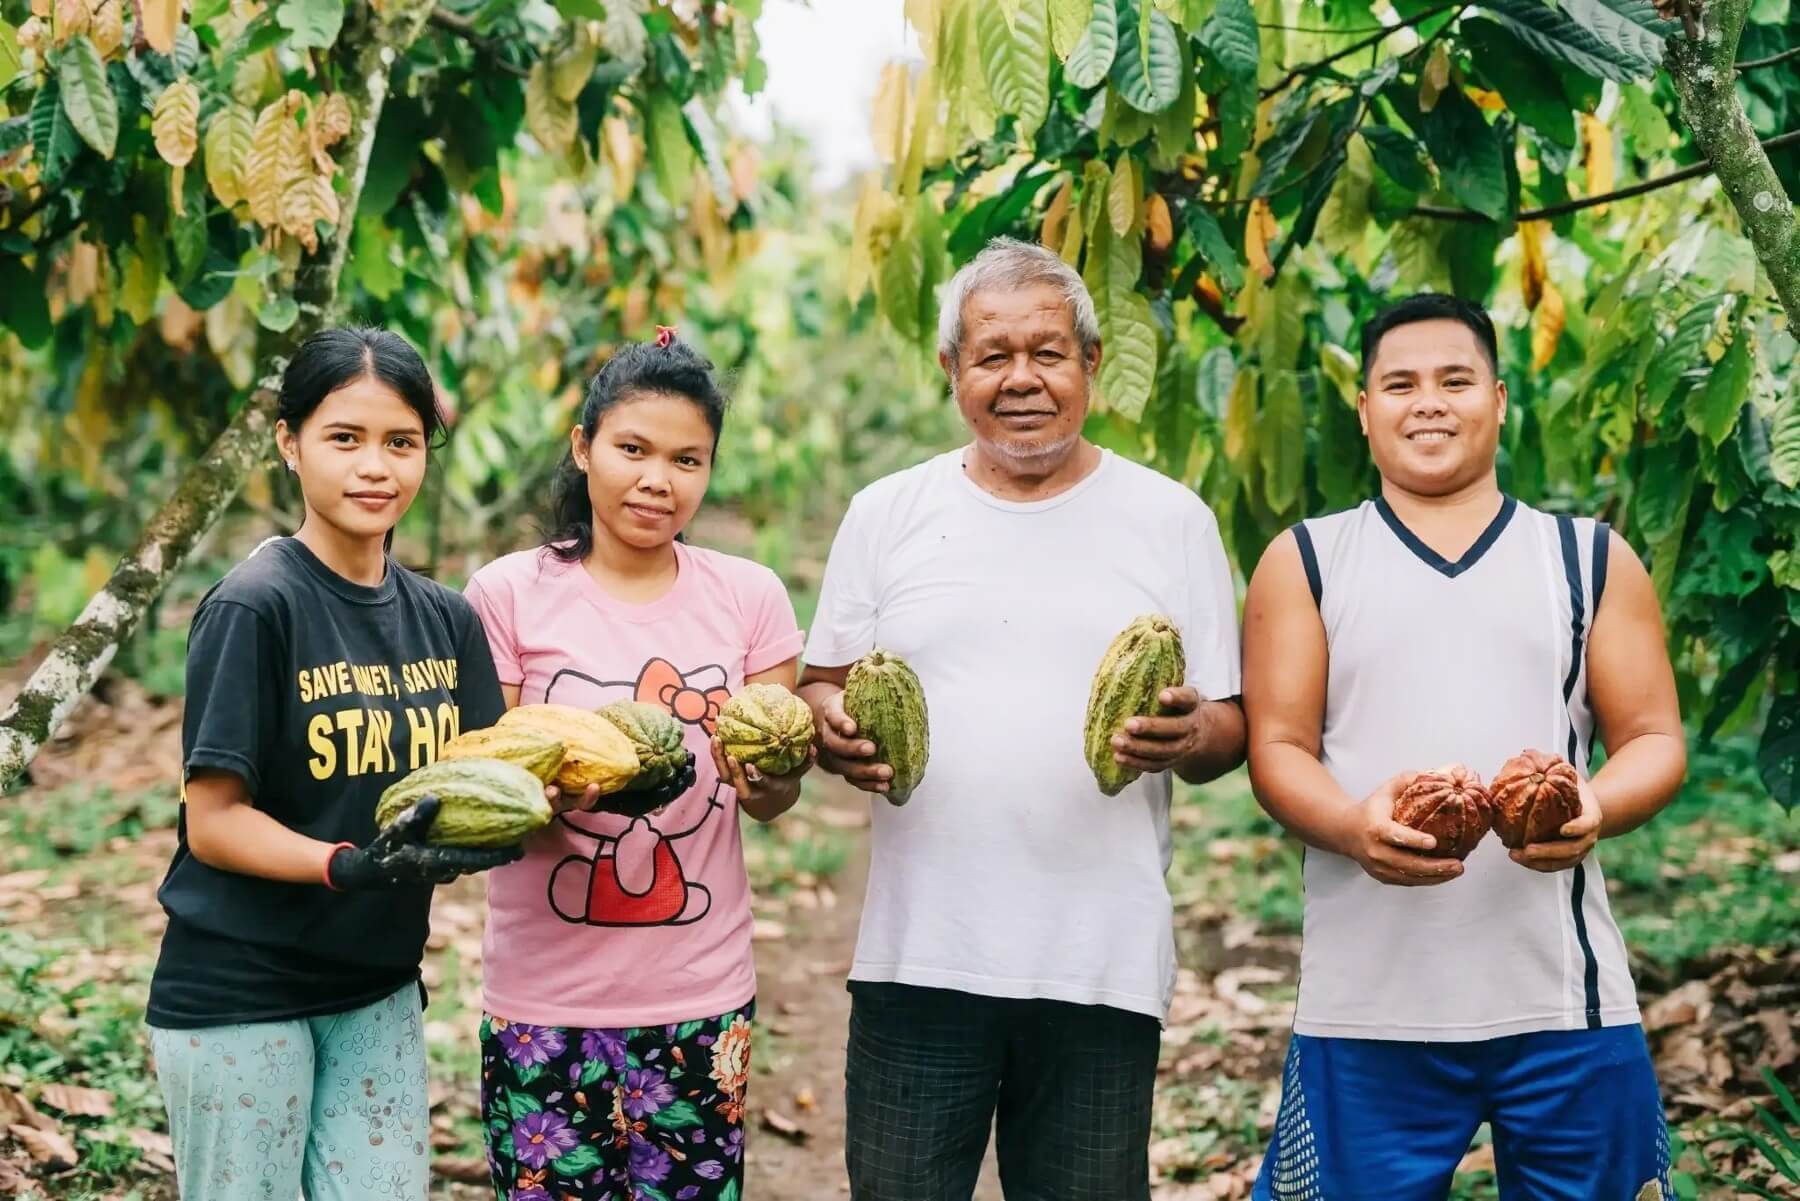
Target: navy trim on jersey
{"type": "Point", "coordinates": [1571, 558]}
{"type": "Point", "coordinates": [1436, 561]}
{"type": "Point", "coordinates": [1309, 559]}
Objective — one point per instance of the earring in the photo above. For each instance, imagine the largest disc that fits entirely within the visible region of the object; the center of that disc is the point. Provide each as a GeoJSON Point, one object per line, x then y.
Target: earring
{"type": "Point", "coordinates": [290, 465]}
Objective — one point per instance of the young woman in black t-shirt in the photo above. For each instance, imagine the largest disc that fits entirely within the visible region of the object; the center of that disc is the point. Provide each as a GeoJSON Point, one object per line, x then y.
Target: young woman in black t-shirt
{"type": "Point", "coordinates": [285, 1008]}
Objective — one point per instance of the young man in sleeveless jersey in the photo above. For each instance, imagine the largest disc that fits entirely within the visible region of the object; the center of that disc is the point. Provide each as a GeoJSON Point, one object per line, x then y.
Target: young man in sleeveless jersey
{"type": "Point", "coordinates": [1445, 622]}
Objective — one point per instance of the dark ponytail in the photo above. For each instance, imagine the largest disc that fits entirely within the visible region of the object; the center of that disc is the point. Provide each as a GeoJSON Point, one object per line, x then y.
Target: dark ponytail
{"type": "Point", "coordinates": [637, 369]}
{"type": "Point", "coordinates": [342, 355]}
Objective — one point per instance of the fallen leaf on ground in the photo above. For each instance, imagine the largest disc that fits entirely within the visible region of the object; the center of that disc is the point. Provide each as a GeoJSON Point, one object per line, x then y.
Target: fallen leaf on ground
{"type": "Point", "coordinates": [51, 1148]}
{"type": "Point", "coordinates": [776, 1122]}
{"type": "Point", "coordinates": [73, 1099]}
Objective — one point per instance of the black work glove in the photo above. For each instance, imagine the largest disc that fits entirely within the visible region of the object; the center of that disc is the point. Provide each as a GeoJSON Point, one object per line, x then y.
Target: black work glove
{"type": "Point", "coordinates": [398, 857]}
{"type": "Point", "coordinates": [634, 802]}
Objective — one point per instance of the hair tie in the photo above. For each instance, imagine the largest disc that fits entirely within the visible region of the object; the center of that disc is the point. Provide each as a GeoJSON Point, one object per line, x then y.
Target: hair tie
{"type": "Point", "coordinates": [665, 334]}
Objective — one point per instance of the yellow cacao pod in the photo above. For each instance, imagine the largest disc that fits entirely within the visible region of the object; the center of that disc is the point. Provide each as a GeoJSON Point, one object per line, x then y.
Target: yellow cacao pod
{"type": "Point", "coordinates": [595, 751]}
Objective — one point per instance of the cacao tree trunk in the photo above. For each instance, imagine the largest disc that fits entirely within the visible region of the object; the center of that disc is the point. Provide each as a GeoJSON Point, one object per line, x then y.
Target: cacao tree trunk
{"type": "Point", "coordinates": [372, 37]}
{"type": "Point", "coordinates": [1704, 70]}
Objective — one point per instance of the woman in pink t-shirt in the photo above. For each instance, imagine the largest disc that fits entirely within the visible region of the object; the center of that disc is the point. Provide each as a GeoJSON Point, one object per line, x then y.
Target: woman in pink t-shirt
{"type": "Point", "coordinates": [618, 980]}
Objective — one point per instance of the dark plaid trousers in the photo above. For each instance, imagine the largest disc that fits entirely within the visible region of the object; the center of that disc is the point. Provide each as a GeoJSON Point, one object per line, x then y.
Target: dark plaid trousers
{"type": "Point", "coordinates": [1067, 1087]}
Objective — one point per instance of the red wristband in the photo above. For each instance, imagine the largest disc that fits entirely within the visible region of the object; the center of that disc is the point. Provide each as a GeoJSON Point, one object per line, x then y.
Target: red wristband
{"type": "Point", "coordinates": [342, 846]}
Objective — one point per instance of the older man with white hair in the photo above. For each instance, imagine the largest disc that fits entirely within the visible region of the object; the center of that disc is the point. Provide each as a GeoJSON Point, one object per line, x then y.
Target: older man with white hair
{"type": "Point", "coordinates": [1017, 956]}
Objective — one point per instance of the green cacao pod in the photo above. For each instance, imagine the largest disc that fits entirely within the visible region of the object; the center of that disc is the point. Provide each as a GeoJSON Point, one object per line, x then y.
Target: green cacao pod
{"type": "Point", "coordinates": [1143, 660]}
{"type": "Point", "coordinates": [594, 750]}
{"type": "Point", "coordinates": [656, 737]}
{"type": "Point", "coordinates": [537, 753]}
{"type": "Point", "coordinates": [883, 697]}
{"type": "Point", "coordinates": [766, 727]}
{"type": "Point", "coordinates": [481, 802]}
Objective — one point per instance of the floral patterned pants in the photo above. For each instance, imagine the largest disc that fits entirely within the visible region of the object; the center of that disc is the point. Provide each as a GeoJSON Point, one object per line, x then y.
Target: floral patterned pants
{"type": "Point", "coordinates": [651, 1113]}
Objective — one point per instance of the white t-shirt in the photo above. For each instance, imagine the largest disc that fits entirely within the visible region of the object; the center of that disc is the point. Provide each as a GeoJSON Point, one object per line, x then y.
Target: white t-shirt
{"type": "Point", "coordinates": [1008, 873]}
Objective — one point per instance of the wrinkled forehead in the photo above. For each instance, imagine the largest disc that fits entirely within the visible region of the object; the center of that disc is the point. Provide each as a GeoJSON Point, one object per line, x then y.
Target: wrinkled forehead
{"type": "Point", "coordinates": [1034, 314]}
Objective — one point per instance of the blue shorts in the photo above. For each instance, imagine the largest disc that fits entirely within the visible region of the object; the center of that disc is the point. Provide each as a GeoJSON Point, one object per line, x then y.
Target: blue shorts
{"type": "Point", "coordinates": [1575, 1115]}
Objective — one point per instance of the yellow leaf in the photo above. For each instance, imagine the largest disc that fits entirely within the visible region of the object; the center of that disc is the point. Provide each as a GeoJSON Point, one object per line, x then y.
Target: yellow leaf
{"type": "Point", "coordinates": [162, 21]}
{"type": "Point", "coordinates": [1240, 417]}
{"type": "Point", "coordinates": [73, 18]}
{"type": "Point", "coordinates": [83, 273]}
{"type": "Point", "coordinates": [1122, 198]}
{"type": "Point", "coordinates": [1434, 78]}
{"type": "Point", "coordinates": [888, 124]}
{"type": "Point", "coordinates": [925, 118]}
{"type": "Point", "coordinates": [1056, 218]}
{"type": "Point", "coordinates": [1486, 101]}
{"type": "Point", "coordinates": [1597, 157]}
{"type": "Point", "coordinates": [278, 156]}
{"type": "Point", "coordinates": [1534, 271]}
{"type": "Point", "coordinates": [1259, 230]}
{"type": "Point", "coordinates": [926, 17]}
{"type": "Point", "coordinates": [1547, 327]}
{"type": "Point", "coordinates": [876, 211]}
{"type": "Point", "coordinates": [573, 66]}
{"type": "Point", "coordinates": [550, 118]}
{"type": "Point", "coordinates": [108, 27]}
{"type": "Point", "coordinates": [228, 139]}
{"type": "Point", "coordinates": [1158, 224]}
{"type": "Point", "coordinates": [334, 120]}
{"type": "Point", "coordinates": [175, 121]}
{"type": "Point", "coordinates": [623, 155]}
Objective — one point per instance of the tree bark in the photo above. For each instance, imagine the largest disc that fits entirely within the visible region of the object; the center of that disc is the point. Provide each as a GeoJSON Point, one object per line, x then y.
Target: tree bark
{"type": "Point", "coordinates": [373, 36]}
{"type": "Point", "coordinates": [1704, 70]}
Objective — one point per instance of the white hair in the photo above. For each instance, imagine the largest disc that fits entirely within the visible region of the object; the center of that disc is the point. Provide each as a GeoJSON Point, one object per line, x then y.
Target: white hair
{"type": "Point", "coordinates": [1006, 264]}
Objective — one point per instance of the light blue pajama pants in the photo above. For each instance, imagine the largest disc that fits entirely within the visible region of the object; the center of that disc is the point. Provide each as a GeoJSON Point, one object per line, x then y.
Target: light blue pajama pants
{"type": "Point", "coordinates": [330, 1108]}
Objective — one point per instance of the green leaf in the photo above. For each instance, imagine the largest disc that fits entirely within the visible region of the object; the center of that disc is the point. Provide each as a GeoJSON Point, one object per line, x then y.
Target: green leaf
{"type": "Point", "coordinates": [1016, 61]}
{"type": "Point", "coordinates": [1281, 146]}
{"type": "Point", "coordinates": [1398, 156]}
{"type": "Point", "coordinates": [1469, 153]}
{"type": "Point", "coordinates": [592, 10]}
{"type": "Point", "coordinates": [24, 305]}
{"type": "Point", "coordinates": [1784, 438]}
{"type": "Point", "coordinates": [1346, 214]}
{"type": "Point", "coordinates": [1127, 328]}
{"type": "Point", "coordinates": [577, 1161]}
{"type": "Point", "coordinates": [1122, 197]}
{"type": "Point", "coordinates": [1552, 33]}
{"type": "Point", "coordinates": [1712, 409]}
{"type": "Point", "coordinates": [54, 142]}
{"type": "Point", "coordinates": [671, 153]}
{"type": "Point", "coordinates": [897, 281]}
{"type": "Point", "coordinates": [677, 1115]}
{"type": "Point", "coordinates": [1232, 40]}
{"type": "Point", "coordinates": [1418, 254]}
{"type": "Point", "coordinates": [87, 95]}
{"type": "Point", "coordinates": [1281, 440]}
{"type": "Point", "coordinates": [519, 1103]}
{"type": "Point", "coordinates": [1147, 70]}
{"type": "Point", "coordinates": [1210, 241]}
{"type": "Point", "coordinates": [1633, 28]}
{"type": "Point", "coordinates": [278, 314]}
{"type": "Point", "coordinates": [1213, 380]}
{"type": "Point", "coordinates": [1508, 66]}
{"type": "Point", "coordinates": [311, 24]}
{"type": "Point", "coordinates": [1069, 20]}
{"type": "Point", "coordinates": [1093, 55]}
{"type": "Point", "coordinates": [731, 1191]}
{"type": "Point", "coordinates": [11, 61]}
{"type": "Point", "coordinates": [1643, 121]}
{"type": "Point", "coordinates": [1778, 757]}
{"type": "Point", "coordinates": [592, 1070]}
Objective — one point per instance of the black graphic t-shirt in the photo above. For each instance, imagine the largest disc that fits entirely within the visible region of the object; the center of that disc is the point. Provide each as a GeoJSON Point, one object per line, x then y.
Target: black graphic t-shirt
{"type": "Point", "coordinates": [319, 693]}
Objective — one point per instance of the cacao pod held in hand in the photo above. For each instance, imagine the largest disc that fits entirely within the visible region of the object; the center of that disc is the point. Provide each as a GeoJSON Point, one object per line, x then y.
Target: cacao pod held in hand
{"type": "Point", "coordinates": [766, 727]}
{"type": "Point", "coordinates": [1449, 804]}
{"type": "Point", "coordinates": [1535, 795]}
{"type": "Point", "coordinates": [1143, 660]}
{"type": "Point", "coordinates": [883, 697]}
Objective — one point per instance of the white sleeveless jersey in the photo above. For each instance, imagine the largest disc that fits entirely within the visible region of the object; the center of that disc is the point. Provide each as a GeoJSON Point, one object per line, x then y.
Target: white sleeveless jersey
{"type": "Point", "coordinates": [1471, 662]}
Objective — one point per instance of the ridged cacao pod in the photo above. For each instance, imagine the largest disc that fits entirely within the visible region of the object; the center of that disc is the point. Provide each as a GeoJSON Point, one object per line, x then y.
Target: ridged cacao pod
{"type": "Point", "coordinates": [1144, 659]}
{"type": "Point", "coordinates": [595, 751]}
{"type": "Point", "coordinates": [481, 802]}
{"type": "Point", "coordinates": [766, 727]}
{"type": "Point", "coordinates": [1535, 795]}
{"type": "Point", "coordinates": [883, 697]}
{"type": "Point", "coordinates": [537, 753]}
{"type": "Point", "coordinates": [1451, 805]}
{"type": "Point", "coordinates": [656, 737]}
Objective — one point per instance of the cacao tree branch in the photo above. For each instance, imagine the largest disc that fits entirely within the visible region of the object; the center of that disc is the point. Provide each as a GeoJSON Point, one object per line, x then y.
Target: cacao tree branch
{"type": "Point", "coordinates": [1375, 39]}
{"type": "Point", "coordinates": [1704, 71]}
{"type": "Point", "coordinates": [1563, 208]}
{"type": "Point", "coordinates": [372, 37]}
{"type": "Point", "coordinates": [1756, 64]}
{"type": "Point", "coordinates": [464, 28]}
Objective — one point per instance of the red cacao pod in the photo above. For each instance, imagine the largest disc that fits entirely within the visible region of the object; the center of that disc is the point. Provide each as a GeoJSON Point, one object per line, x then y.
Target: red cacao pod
{"type": "Point", "coordinates": [1451, 805]}
{"type": "Point", "coordinates": [1535, 795]}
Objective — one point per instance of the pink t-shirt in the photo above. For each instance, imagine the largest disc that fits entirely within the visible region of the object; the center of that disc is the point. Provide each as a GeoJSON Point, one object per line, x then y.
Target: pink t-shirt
{"type": "Point", "coordinates": [609, 921]}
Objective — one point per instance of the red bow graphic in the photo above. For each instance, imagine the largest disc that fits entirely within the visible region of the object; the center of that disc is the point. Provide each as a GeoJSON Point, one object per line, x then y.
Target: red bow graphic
{"type": "Point", "coordinates": [661, 683]}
